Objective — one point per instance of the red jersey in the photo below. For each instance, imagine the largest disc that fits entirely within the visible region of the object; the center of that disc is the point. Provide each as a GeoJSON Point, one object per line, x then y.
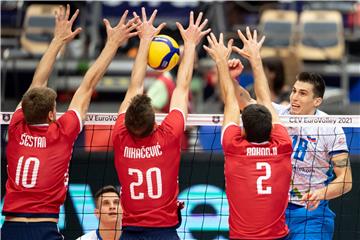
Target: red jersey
{"type": "Point", "coordinates": [37, 165]}
{"type": "Point", "coordinates": [148, 171]}
{"type": "Point", "coordinates": [257, 179]}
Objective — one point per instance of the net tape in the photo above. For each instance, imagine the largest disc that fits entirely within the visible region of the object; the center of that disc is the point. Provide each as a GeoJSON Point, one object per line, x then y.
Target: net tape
{"type": "Point", "coordinates": [217, 119]}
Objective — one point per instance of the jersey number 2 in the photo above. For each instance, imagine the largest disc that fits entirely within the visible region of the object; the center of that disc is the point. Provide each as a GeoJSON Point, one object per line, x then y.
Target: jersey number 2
{"type": "Point", "coordinates": [140, 180]}
{"type": "Point", "coordinates": [22, 172]}
{"type": "Point", "coordinates": [260, 189]}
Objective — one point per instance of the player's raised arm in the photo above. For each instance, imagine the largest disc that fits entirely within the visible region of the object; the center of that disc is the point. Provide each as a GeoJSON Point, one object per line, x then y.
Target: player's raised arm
{"type": "Point", "coordinates": [251, 51]}
{"type": "Point", "coordinates": [220, 54]}
{"type": "Point", "coordinates": [146, 32]}
{"type": "Point", "coordinates": [242, 95]}
{"type": "Point", "coordinates": [116, 36]}
{"type": "Point", "coordinates": [191, 36]}
{"type": "Point", "coordinates": [62, 35]}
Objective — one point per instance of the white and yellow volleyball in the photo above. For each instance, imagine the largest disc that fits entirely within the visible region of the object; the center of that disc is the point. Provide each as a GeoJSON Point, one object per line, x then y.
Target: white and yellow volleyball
{"type": "Point", "coordinates": [163, 53]}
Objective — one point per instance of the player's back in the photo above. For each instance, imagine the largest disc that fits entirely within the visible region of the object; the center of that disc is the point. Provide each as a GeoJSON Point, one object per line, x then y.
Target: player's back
{"type": "Point", "coordinates": [148, 172]}
{"type": "Point", "coordinates": [38, 159]}
{"type": "Point", "coordinates": [257, 183]}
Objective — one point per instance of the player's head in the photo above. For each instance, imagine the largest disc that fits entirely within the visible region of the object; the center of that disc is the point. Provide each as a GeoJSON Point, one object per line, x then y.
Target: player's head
{"type": "Point", "coordinates": [307, 93]}
{"type": "Point", "coordinates": [108, 208]}
{"type": "Point", "coordinates": [39, 106]}
{"type": "Point", "coordinates": [140, 116]}
{"type": "Point", "coordinates": [257, 122]}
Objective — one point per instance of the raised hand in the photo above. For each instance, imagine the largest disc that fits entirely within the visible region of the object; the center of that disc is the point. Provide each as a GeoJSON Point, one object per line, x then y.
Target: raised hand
{"type": "Point", "coordinates": [194, 33]}
{"type": "Point", "coordinates": [63, 25]}
{"type": "Point", "coordinates": [146, 29]}
{"type": "Point", "coordinates": [122, 31]}
{"type": "Point", "coordinates": [235, 67]}
{"type": "Point", "coordinates": [251, 48]}
{"type": "Point", "coordinates": [217, 50]}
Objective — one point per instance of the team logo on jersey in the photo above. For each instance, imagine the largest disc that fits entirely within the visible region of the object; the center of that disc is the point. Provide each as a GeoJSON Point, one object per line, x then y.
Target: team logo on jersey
{"type": "Point", "coordinates": [6, 117]}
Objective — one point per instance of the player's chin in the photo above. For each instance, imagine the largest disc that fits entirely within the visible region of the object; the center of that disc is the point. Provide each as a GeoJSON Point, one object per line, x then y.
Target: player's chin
{"type": "Point", "coordinates": [295, 111]}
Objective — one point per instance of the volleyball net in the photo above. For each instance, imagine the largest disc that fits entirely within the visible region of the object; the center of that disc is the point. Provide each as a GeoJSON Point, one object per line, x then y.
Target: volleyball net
{"type": "Point", "coordinates": [201, 175]}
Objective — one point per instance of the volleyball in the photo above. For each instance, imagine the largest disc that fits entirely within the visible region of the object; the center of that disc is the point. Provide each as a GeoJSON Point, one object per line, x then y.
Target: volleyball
{"type": "Point", "coordinates": [163, 53]}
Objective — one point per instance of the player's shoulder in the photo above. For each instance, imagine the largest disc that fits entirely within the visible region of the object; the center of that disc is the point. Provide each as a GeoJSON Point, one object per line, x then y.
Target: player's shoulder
{"type": "Point", "coordinates": [320, 113]}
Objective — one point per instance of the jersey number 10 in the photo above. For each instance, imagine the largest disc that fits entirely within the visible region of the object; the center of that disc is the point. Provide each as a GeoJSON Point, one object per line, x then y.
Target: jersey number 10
{"type": "Point", "coordinates": [22, 172]}
{"type": "Point", "coordinates": [150, 188]}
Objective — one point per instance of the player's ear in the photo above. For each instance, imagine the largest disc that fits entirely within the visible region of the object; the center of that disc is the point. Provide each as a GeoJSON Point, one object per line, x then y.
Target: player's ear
{"type": "Point", "coordinates": [318, 101]}
{"type": "Point", "coordinates": [97, 213]}
{"type": "Point", "coordinates": [51, 116]}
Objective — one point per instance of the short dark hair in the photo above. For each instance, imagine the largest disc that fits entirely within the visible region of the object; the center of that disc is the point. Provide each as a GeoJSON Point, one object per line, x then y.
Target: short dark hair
{"type": "Point", "coordinates": [314, 79]}
{"type": "Point", "coordinates": [257, 122]}
{"type": "Point", "coordinates": [140, 116]}
{"type": "Point", "coordinates": [105, 189]}
{"type": "Point", "coordinates": [37, 103]}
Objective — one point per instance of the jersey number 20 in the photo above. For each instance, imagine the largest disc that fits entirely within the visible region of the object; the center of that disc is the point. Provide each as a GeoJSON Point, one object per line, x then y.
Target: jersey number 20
{"type": "Point", "coordinates": [260, 189]}
{"type": "Point", "coordinates": [150, 188]}
{"type": "Point", "coordinates": [22, 172]}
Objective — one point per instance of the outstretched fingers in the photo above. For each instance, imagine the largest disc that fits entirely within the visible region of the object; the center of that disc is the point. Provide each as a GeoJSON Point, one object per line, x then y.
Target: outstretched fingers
{"type": "Point", "coordinates": [107, 23]}
{"type": "Point", "coordinates": [191, 19]}
{"type": "Point", "coordinates": [230, 43]}
{"type": "Point", "coordinates": [198, 20]}
{"type": "Point", "coordinates": [143, 12]}
{"type": "Point", "coordinates": [153, 15]}
{"type": "Point", "coordinates": [67, 15]}
{"type": "Point", "coordinates": [160, 27]}
{"type": "Point", "coordinates": [248, 33]}
{"type": "Point", "coordinates": [241, 36]}
{"type": "Point", "coordinates": [180, 26]}
{"type": "Point", "coordinates": [73, 18]}
{"type": "Point", "coordinates": [123, 18]}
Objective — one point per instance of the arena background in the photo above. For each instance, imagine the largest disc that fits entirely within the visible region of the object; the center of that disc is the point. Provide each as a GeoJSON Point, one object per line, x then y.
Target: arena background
{"type": "Point", "coordinates": [90, 170]}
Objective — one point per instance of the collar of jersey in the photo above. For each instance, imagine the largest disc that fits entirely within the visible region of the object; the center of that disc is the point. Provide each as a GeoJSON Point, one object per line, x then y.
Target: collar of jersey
{"type": "Point", "coordinates": [262, 143]}
{"type": "Point", "coordinates": [39, 125]}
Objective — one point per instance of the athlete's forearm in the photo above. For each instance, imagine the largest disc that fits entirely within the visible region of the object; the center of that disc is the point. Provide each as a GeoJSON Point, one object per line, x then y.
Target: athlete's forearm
{"type": "Point", "coordinates": [185, 71]}
{"type": "Point", "coordinates": [261, 85]}
{"type": "Point", "coordinates": [99, 67]}
{"type": "Point", "coordinates": [46, 64]}
{"type": "Point", "coordinates": [140, 66]}
{"type": "Point", "coordinates": [339, 186]}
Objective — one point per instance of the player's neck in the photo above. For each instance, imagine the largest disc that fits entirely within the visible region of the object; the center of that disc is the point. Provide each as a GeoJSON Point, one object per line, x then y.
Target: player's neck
{"type": "Point", "coordinates": [109, 232]}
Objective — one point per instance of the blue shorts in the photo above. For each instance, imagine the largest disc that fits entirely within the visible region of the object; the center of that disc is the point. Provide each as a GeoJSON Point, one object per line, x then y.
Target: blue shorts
{"type": "Point", "coordinates": [310, 225]}
{"type": "Point", "coordinates": [30, 231]}
{"type": "Point", "coordinates": [150, 234]}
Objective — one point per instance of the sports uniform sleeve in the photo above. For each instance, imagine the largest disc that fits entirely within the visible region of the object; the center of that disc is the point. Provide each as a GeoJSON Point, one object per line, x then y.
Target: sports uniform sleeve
{"type": "Point", "coordinates": [281, 109]}
{"type": "Point", "coordinates": [174, 123]}
{"type": "Point", "coordinates": [229, 132]}
{"type": "Point", "coordinates": [70, 123]}
{"type": "Point", "coordinates": [280, 135]}
{"type": "Point", "coordinates": [119, 125]}
{"type": "Point", "coordinates": [335, 141]}
{"type": "Point", "coordinates": [17, 118]}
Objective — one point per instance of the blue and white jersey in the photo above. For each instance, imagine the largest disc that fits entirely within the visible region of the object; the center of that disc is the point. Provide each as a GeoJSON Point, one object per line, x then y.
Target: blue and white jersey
{"type": "Point", "coordinates": [313, 147]}
{"type": "Point", "coordinates": [93, 235]}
